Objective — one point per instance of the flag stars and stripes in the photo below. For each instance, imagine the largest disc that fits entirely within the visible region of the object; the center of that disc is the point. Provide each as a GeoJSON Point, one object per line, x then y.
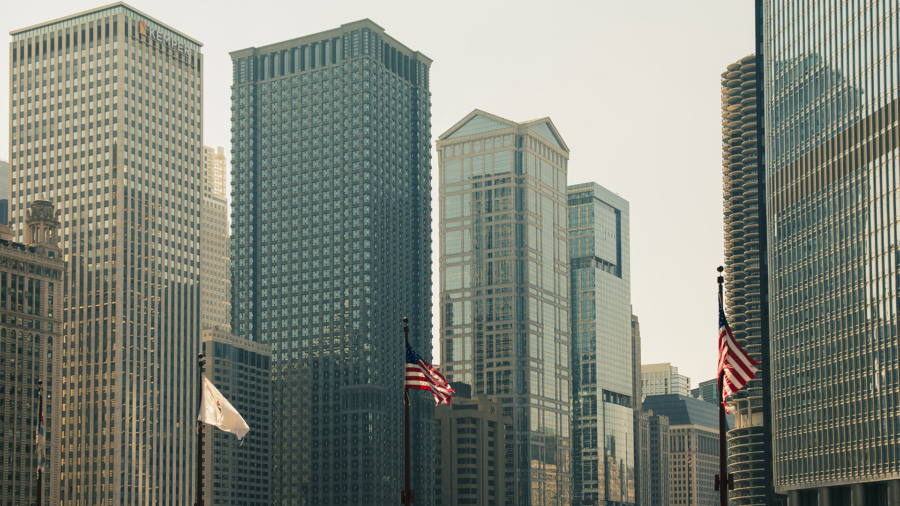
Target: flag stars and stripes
{"type": "Point", "coordinates": [421, 375]}
{"type": "Point", "coordinates": [736, 368]}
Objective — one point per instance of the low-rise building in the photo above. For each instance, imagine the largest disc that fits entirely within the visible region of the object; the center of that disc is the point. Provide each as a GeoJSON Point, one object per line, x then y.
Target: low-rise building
{"type": "Point", "coordinates": [693, 447]}
{"type": "Point", "coordinates": [471, 456]}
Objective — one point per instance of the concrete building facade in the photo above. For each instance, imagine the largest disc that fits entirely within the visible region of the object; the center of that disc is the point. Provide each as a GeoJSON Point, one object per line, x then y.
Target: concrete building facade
{"type": "Point", "coordinates": [663, 379]}
{"type": "Point", "coordinates": [693, 447]}
{"type": "Point", "coordinates": [116, 146]}
{"type": "Point", "coordinates": [215, 243]}
{"type": "Point", "coordinates": [470, 456]}
{"type": "Point", "coordinates": [31, 293]}
{"type": "Point", "coordinates": [504, 297]}
{"type": "Point", "coordinates": [604, 459]}
{"type": "Point", "coordinates": [236, 472]}
{"type": "Point", "coordinates": [331, 248]}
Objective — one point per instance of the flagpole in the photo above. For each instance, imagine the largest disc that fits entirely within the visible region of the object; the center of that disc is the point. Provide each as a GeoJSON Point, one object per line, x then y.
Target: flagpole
{"type": "Point", "coordinates": [40, 474]}
{"type": "Point", "coordinates": [723, 448]}
{"type": "Point", "coordinates": [408, 496]}
{"type": "Point", "coordinates": [199, 502]}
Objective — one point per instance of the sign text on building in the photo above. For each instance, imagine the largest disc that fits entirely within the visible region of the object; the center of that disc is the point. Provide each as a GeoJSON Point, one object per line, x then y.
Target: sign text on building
{"type": "Point", "coordinates": [163, 37]}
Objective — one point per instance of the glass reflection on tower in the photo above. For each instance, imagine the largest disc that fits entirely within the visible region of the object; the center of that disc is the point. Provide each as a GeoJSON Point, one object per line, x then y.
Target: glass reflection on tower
{"type": "Point", "coordinates": [602, 362]}
{"type": "Point", "coordinates": [504, 290]}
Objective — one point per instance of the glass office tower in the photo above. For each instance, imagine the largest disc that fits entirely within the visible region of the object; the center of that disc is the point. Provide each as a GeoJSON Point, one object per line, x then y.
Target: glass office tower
{"type": "Point", "coordinates": [831, 109]}
{"type": "Point", "coordinates": [504, 297]}
{"type": "Point", "coordinates": [331, 248]}
{"type": "Point", "coordinates": [106, 123]}
{"type": "Point", "coordinates": [603, 461]}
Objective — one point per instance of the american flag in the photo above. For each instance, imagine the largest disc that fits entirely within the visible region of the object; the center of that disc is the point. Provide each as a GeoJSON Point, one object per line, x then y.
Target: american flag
{"type": "Point", "coordinates": [736, 368]}
{"type": "Point", "coordinates": [423, 376]}
{"type": "Point", "coordinates": [39, 433]}
{"type": "Point", "coordinates": [690, 461]}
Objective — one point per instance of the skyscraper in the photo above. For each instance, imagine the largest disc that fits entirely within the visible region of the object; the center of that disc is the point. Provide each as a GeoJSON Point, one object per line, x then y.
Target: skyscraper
{"type": "Point", "coordinates": [641, 420]}
{"type": "Point", "coordinates": [707, 391]}
{"type": "Point", "coordinates": [31, 292]}
{"type": "Point", "coordinates": [215, 243]}
{"type": "Point", "coordinates": [831, 163]}
{"type": "Point", "coordinates": [663, 379]}
{"type": "Point", "coordinates": [602, 347]}
{"type": "Point", "coordinates": [504, 296]}
{"type": "Point", "coordinates": [745, 280]}
{"type": "Point", "coordinates": [115, 144]}
{"type": "Point", "coordinates": [331, 248]}
{"type": "Point", "coordinates": [238, 470]}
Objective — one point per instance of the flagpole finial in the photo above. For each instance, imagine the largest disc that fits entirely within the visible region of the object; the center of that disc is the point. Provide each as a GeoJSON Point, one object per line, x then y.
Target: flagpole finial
{"type": "Point", "coordinates": [720, 268]}
{"type": "Point", "coordinates": [40, 382]}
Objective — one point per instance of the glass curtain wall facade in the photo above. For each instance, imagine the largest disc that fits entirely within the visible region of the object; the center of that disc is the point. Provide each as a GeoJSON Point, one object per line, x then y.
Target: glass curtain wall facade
{"type": "Point", "coordinates": [504, 296]}
{"type": "Point", "coordinates": [603, 387]}
{"type": "Point", "coordinates": [106, 124]}
{"type": "Point", "coordinates": [331, 248]}
{"type": "Point", "coordinates": [832, 137]}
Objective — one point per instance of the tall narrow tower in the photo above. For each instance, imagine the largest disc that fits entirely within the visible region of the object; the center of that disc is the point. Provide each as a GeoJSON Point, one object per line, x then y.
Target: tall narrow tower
{"type": "Point", "coordinates": [744, 227]}
{"type": "Point", "coordinates": [603, 383]}
{"type": "Point", "coordinates": [505, 290]}
{"type": "Point", "coordinates": [106, 109]}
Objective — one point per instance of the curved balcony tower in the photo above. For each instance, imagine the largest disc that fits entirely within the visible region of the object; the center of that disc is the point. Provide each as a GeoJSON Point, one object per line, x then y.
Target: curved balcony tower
{"type": "Point", "coordinates": [742, 272]}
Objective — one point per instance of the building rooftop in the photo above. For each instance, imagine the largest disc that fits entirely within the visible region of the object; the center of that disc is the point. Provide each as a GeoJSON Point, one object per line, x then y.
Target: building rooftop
{"type": "Point", "coordinates": [683, 410]}
{"type": "Point", "coordinates": [87, 15]}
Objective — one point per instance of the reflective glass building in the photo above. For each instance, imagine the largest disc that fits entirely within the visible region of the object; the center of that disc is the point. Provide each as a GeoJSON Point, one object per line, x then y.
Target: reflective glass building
{"type": "Point", "coordinates": [115, 142]}
{"type": "Point", "coordinates": [504, 297]}
{"type": "Point", "coordinates": [331, 248]}
{"type": "Point", "coordinates": [603, 378]}
{"type": "Point", "coordinates": [832, 171]}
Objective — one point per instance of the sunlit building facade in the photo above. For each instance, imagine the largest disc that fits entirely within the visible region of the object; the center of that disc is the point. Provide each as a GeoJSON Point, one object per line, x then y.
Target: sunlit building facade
{"type": "Point", "coordinates": [504, 296]}
{"type": "Point", "coordinates": [215, 243]}
{"type": "Point", "coordinates": [603, 420]}
{"type": "Point", "coordinates": [331, 248]}
{"type": "Point", "coordinates": [832, 144]}
{"type": "Point", "coordinates": [115, 143]}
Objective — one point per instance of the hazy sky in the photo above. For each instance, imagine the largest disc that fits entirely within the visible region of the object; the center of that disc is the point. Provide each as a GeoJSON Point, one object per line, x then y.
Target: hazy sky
{"type": "Point", "coordinates": [633, 88]}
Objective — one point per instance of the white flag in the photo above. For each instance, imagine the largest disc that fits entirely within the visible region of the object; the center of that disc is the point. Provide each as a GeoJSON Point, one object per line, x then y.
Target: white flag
{"type": "Point", "coordinates": [216, 410]}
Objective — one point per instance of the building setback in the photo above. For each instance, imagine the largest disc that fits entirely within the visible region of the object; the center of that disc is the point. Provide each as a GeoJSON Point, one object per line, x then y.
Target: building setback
{"type": "Point", "coordinates": [238, 472]}
{"type": "Point", "coordinates": [603, 420]}
{"type": "Point", "coordinates": [504, 297]}
{"type": "Point", "coordinates": [831, 164]}
{"type": "Point", "coordinates": [116, 146]}
{"type": "Point", "coordinates": [31, 296]}
{"type": "Point", "coordinates": [331, 248]}
{"type": "Point", "coordinates": [693, 448]}
{"type": "Point", "coordinates": [470, 461]}
{"type": "Point", "coordinates": [215, 243]}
